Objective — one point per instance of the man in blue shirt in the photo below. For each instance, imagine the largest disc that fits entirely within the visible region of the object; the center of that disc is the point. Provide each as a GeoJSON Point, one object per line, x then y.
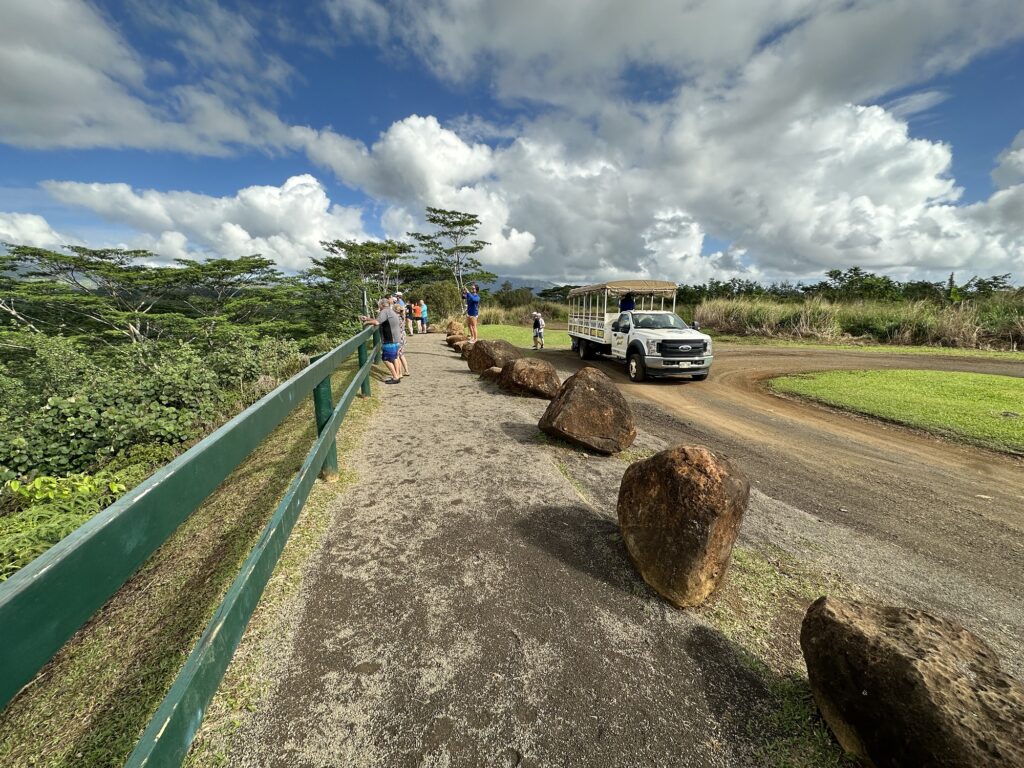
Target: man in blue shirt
{"type": "Point", "coordinates": [626, 303]}
{"type": "Point", "coordinates": [472, 298]}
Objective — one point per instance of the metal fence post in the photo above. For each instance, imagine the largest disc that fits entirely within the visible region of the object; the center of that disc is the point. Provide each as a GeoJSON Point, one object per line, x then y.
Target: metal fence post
{"type": "Point", "coordinates": [323, 404]}
{"type": "Point", "coordinates": [362, 361]}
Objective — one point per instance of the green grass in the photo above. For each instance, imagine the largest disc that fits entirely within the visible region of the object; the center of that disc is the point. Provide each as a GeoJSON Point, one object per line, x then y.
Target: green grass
{"type": "Point", "coordinates": [979, 408]}
{"type": "Point", "coordinates": [89, 705]}
{"type": "Point", "coordinates": [522, 336]}
{"type": "Point", "coordinates": [890, 349]}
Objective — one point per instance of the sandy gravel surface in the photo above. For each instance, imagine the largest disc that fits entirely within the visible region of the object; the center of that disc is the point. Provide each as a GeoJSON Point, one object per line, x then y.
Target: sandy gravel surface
{"type": "Point", "coordinates": [471, 609]}
{"type": "Point", "coordinates": [474, 606]}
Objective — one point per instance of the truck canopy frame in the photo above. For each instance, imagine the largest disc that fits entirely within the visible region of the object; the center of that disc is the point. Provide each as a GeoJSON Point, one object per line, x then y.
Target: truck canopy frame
{"type": "Point", "coordinates": [588, 305]}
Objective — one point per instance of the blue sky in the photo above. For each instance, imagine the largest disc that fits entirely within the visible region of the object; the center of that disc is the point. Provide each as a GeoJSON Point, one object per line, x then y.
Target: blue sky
{"type": "Point", "coordinates": [771, 141]}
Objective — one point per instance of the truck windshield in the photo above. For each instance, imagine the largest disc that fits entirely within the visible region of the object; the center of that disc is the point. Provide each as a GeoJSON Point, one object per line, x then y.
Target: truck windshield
{"type": "Point", "coordinates": [658, 320]}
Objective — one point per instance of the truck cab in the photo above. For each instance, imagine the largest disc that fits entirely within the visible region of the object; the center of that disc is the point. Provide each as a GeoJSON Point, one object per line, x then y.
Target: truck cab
{"type": "Point", "coordinates": [658, 343]}
{"type": "Point", "coordinates": [646, 333]}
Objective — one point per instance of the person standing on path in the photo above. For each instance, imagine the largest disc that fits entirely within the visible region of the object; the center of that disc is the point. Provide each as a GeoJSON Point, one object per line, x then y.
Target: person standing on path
{"type": "Point", "coordinates": [472, 298]}
{"type": "Point", "coordinates": [400, 309]}
{"type": "Point", "coordinates": [417, 313]}
{"type": "Point", "coordinates": [538, 331]}
{"type": "Point", "coordinates": [423, 316]}
{"type": "Point", "coordinates": [390, 331]}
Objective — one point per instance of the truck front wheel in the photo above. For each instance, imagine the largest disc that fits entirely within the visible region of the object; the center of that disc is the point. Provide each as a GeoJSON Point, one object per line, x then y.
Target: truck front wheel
{"type": "Point", "coordinates": [583, 348]}
{"type": "Point", "coordinates": [635, 366]}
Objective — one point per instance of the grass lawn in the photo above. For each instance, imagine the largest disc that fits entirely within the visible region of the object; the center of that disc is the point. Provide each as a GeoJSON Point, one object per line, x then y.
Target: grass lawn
{"type": "Point", "coordinates": [522, 335]}
{"type": "Point", "coordinates": [978, 408]}
{"type": "Point", "coordinates": [892, 349]}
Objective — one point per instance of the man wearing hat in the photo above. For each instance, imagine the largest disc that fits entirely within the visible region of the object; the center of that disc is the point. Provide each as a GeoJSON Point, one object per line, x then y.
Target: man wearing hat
{"type": "Point", "coordinates": [538, 331]}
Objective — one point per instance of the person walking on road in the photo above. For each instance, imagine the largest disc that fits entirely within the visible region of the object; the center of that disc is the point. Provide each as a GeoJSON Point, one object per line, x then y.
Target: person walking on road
{"type": "Point", "coordinates": [423, 316]}
{"type": "Point", "coordinates": [390, 331]}
{"type": "Point", "coordinates": [538, 331]}
{"type": "Point", "coordinates": [472, 299]}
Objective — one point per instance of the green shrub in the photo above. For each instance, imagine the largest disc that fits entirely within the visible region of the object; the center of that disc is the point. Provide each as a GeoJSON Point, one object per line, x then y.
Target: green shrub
{"type": "Point", "coordinates": [443, 299]}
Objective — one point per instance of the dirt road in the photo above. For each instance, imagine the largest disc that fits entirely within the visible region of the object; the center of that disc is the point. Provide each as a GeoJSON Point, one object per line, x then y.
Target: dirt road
{"type": "Point", "coordinates": [945, 519]}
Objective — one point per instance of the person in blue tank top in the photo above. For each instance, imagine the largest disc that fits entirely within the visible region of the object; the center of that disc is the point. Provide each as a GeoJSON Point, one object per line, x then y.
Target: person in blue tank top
{"type": "Point", "coordinates": [472, 299]}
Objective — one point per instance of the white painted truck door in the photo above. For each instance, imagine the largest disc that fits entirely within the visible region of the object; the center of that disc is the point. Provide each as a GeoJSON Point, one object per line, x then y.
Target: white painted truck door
{"type": "Point", "coordinates": [621, 336]}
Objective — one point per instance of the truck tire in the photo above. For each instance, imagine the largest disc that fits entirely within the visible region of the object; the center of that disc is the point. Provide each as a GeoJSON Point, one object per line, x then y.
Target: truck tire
{"type": "Point", "coordinates": [583, 348]}
{"type": "Point", "coordinates": [636, 368]}
{"type": "Point", "coordinates": [700, 376]}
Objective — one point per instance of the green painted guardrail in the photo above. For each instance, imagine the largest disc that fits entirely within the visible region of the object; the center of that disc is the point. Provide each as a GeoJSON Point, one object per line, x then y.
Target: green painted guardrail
{"type": "Point", "coordinates": [45, 602]}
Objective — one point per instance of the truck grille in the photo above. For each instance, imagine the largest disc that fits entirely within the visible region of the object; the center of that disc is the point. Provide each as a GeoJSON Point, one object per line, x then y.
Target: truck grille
{"type": "Point", "coordinates": [682, 348]}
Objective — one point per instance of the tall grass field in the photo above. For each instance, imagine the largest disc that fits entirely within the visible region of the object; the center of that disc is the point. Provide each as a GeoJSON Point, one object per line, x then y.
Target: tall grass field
{"type": "Point", "coordinates": [993, 323]}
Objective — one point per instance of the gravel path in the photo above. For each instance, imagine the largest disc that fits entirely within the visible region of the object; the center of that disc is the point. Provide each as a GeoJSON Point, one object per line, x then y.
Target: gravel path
{"type": "Point", "coordinates": [470, 609]}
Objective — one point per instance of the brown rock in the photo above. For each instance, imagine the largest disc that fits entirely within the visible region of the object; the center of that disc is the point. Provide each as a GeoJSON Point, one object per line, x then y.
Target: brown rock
{"type": "Point", "coordinates": [467, 347]}
{"type": "Point", "coordinates": [452, 340]}
{"type": "Point", "coordinates": [488, 353]}
{"type": "Point", "coordinates": [900, 687]}
{"type": "Point", "coordinates": [458, 346]}
{"type": "Point", "coordinates": [530, 376]}
{"type": "Point", "coordinates": [433, 329]}
{"type": "Point", "coordinates": [491, 374]}
{"type": "Point", "coordinates": [590, 411]}
{"type": "Point", "coordinates": [455, 328]}
{"type": "Point", "coordinates": [679, 513]}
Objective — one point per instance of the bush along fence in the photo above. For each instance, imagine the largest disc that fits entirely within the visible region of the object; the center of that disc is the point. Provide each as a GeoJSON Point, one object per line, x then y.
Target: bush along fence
{"type": "Point", "coordinates": [46, 602]}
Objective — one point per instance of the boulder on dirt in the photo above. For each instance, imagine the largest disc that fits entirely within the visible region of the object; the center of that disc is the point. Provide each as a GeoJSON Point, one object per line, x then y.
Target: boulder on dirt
{"type": "Point", "coordinates": [900, 687]}
{"type": "Point", "coordinates": [679, 514]}
{"type": "Point", "coordinates": [452, 340]}
{"type": "Point", "coordinates": [433, 329]}
{"type": "Point", "coordinates": [455, 328]}
{"type": "Point", "coordinates": [491, 374]}
{"type": "Point", "coordinates": [467, 347]}
{"type": "Point", "coordinates": [458, 345]}
{"type": "Point", "coordinates": [590, 411]}
{"type": "Point", "coordinates": [488, 353]}
{"type": "Point", "coordinates": [530, 376]}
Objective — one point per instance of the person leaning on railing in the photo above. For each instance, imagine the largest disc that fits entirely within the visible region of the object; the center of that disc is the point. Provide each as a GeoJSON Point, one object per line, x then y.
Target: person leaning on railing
{"type": "Point", "coordinates": [390, 335]}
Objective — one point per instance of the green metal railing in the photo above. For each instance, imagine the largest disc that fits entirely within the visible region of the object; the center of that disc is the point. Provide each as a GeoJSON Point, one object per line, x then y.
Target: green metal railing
{"type": "Point", "coordinates": [44, 603]}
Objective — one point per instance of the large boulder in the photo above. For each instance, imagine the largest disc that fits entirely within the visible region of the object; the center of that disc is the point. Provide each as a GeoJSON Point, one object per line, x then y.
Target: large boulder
{"type": "Point", "coordinates": [455, 328]}
{"type": "Point", "coordinates": [458, 346]}
{"type": "Point", "coordinates": [433, 328]}
{"type": "Point", "coordinates": [467, 347]}
{"type": "Point", "coordinates": [454, 339]}
{"type": "Point", "coordinates": [590, 411]}
{"type": "Point", "coordinates": [491, 374]}
{"type": "Point", "coordinates": [679, 513]}
{"type": "Point", "coordinates": [488, 353]}
{"type": "Point", "coordinates": [900, 687]}
{"type": "Point", "coordinates": [530, 376]}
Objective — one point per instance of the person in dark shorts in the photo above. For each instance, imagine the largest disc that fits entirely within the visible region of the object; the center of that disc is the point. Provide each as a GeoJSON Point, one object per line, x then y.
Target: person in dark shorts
{"type": "Point", "coordinates": [538, 331]}
{"type": "Point", "coordinates": [424, 320]}
{"type": "Point", "coordinates": [390, 335]}
{"type": "Point", "coordinates": [472, 298]}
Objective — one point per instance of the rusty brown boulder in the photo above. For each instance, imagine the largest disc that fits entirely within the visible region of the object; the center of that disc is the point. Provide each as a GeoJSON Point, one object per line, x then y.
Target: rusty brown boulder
{"type": "Point", "coordinates": [455, 328]}
{"type": "Point", "coordinates": [901, 687]}
{"type": "Point", "coordinates": [590, 411]}
{"type": "Point", "coordinates": [530, 376]}
{"type": "Point", "coordinates": [467, 347]}
{"type": "Point", "coordinates": [454, 339]}
{"type": "Point", "coordinates": [488, 353]}
{"type": "Point", "coordinates": [491, 374]}
{"type": "Point", "coordinates": [459, 345]}
{"type": "Point", "coordinates": [679, 513]}
{"type": "Point", "coordinates": [433, 329]}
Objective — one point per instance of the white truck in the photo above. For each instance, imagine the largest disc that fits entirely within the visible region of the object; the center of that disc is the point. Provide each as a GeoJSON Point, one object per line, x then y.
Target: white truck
{"type": "Point", "coordinates": [628, 320]}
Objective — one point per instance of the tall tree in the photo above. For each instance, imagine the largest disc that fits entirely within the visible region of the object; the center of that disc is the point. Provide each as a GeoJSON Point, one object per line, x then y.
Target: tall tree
{"type": "Point", "coordinates": [372, 265]}
{"type": "Point", "coordinates": [453, 247]}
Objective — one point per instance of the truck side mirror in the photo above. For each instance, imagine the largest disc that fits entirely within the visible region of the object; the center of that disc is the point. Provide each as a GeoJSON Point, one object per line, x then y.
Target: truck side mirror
{"type": "Point", "coordinates": [695, 325]}
{"type": "Point", "coordinates": [615, 327]}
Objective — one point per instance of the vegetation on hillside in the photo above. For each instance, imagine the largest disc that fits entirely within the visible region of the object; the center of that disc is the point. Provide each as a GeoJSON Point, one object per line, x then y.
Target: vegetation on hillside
{"type": "Point", "coordinates": [113, 361]}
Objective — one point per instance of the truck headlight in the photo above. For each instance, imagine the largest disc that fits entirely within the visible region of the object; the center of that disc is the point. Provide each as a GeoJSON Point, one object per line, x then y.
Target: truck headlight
{"type": "Point", "coordinates": [652, 347]}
